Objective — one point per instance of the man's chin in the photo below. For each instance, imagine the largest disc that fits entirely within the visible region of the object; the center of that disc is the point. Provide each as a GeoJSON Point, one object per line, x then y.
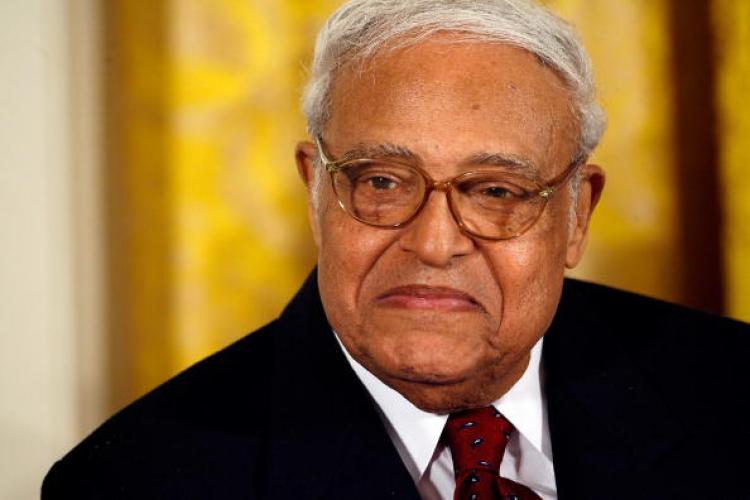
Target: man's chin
{"type": "Point", "coordinates": [442, 397]}
{"type": "Point", "coordinates": [448, 386]}
{"type": "Point", "coordinates": [427, 362]}
{"type": "Point", "coordinates": [427, 378]}
{"type": "Point", "coordinates": [436, 390]}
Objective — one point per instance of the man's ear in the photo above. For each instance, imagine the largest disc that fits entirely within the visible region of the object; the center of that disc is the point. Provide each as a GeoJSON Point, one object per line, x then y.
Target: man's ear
{"type": "Point", "coordinates": [305, 154]}
{"type": "Point", "coordinates": [590, 186]}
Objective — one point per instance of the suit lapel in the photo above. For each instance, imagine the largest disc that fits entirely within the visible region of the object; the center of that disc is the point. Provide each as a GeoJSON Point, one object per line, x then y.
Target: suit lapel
{"type": "Point", "coordinates": [327, 440]}
{"type": "Point", "coordinates": [607, 422]}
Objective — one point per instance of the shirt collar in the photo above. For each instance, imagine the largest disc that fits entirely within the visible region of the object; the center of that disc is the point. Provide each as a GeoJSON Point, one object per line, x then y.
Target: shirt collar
{"type": "Point", "coordinates": [416, 433]}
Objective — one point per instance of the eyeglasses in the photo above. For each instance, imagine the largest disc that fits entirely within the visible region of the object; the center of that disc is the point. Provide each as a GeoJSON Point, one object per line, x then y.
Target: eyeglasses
{"type": "Point", "coordinates": [490, 204]}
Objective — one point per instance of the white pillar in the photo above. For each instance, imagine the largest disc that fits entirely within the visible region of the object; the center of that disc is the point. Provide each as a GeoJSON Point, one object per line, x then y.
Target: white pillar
{"type": "Point", "coordinates": [49, 342]}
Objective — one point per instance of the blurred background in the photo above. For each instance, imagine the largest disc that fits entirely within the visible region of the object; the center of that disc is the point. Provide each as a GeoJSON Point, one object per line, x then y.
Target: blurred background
{"type": "Point", "coordinates": [151, 212]}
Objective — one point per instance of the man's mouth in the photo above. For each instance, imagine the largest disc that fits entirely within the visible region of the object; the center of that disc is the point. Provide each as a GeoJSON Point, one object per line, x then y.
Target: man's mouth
{"type": "Point", "coordinates": [429, 297]}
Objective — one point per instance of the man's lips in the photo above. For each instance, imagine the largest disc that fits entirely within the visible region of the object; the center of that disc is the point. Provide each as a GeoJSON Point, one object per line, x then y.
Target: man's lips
{"type": "Point", "coordinates": [429, 297]}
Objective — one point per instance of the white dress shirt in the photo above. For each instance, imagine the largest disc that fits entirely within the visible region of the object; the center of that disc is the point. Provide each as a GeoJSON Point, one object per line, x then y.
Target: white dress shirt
{"type": "Point", "coordinates": [416, 434]}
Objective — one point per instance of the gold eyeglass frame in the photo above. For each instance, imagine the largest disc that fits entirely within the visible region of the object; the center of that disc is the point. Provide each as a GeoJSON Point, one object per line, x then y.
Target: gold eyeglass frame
{"type": "Point", "coordinates": [544, 192]}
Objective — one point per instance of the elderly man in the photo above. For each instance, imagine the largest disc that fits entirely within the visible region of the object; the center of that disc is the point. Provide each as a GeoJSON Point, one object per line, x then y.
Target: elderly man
{"type": "Point", "coordinates": [438, 351]}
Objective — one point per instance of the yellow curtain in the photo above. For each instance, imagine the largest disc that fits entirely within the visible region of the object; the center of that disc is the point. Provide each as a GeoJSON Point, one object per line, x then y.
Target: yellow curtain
{"type": "Point", "coordinates": [633, 243]}
{"type": "Point", "coordinates": [732, 27]}
{"type": "Point", "coordinates": [208, 233]}
{"type": "Point", "coordinates": [138, 197]}
{"type": "Point", "coordinates": [240, 237]}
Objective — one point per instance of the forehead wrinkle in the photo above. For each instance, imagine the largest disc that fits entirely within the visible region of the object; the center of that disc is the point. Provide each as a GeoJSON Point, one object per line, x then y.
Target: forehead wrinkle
{"type": "Point", "coordinates": [506, 160]}
{"type": "Point", "coordinates": [376, 151]}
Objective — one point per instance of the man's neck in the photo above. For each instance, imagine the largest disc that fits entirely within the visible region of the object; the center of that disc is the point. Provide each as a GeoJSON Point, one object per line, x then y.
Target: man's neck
{"type": "Point", "coordinates": [416, 432]}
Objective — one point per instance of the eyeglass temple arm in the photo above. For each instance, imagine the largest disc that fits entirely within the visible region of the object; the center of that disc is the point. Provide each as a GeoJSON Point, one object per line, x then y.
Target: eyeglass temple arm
{"type": "Point", "coordinates": [330, 166]}
{"type": "Point", "coordinates": [553, 186]}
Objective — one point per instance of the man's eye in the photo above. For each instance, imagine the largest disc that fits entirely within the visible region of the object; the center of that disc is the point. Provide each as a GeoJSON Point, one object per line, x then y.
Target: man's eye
{"type": "Point", "coordinates": [498, 192]}
{"type": "Point", "coordinates": [380, 183]}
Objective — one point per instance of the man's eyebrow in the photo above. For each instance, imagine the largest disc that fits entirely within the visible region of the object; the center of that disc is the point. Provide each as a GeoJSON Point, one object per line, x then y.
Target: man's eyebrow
{"type": "Point", "coordinates": [389, 150]}
{"type": "Point", "coordinates": [376, 151]}
{"type": "Point", "coordinates": [511, 161]}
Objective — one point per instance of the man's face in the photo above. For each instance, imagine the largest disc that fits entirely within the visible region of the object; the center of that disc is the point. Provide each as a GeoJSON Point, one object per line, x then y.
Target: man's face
{"type": "Point", "coordinates": [446, 319]}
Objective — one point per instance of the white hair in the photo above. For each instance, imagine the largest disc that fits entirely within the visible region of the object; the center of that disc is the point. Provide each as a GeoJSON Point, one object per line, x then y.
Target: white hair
{"type": "Point", "coordinates": [361, 28]}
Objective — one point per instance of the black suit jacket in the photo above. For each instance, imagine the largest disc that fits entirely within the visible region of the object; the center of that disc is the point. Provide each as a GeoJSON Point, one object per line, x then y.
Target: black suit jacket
{"type": "Point", "coordinates": [645, 400]}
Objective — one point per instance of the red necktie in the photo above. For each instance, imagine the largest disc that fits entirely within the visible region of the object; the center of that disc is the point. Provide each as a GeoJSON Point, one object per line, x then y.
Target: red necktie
{"type": "Point", "coordinates": [477, 439]}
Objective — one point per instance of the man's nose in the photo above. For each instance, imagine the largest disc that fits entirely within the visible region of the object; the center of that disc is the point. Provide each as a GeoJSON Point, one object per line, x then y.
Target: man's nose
{"type": "Point", "coordinates": [434, 236]}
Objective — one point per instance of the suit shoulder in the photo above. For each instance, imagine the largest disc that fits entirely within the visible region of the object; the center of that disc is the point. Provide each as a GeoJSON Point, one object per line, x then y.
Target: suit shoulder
{"type": "Point", "coordinates": [632, 383]}
{"type": "Point", "coordinates": [235, 375]}
{"type": "Point", "coordinates": [639, 313]}
{"type": "Point", "coordinates": [671, 341]}
{"type": "Point", "coordinates": [193, 424]}
{"type": "Point", "coordinates": [683, 351]}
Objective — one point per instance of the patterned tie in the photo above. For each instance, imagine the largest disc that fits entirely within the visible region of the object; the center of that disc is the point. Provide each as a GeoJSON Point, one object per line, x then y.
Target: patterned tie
{"type": "Point", "coordinates": [477, 440]}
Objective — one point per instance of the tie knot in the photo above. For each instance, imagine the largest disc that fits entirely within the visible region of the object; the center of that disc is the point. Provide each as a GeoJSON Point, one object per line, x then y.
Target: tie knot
{"type": "Point", "coordinates": [477, 439]}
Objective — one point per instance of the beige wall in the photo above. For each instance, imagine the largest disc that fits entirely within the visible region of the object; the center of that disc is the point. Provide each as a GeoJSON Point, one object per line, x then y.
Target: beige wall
{"type": "Point", "coordinates": [45, 335]}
